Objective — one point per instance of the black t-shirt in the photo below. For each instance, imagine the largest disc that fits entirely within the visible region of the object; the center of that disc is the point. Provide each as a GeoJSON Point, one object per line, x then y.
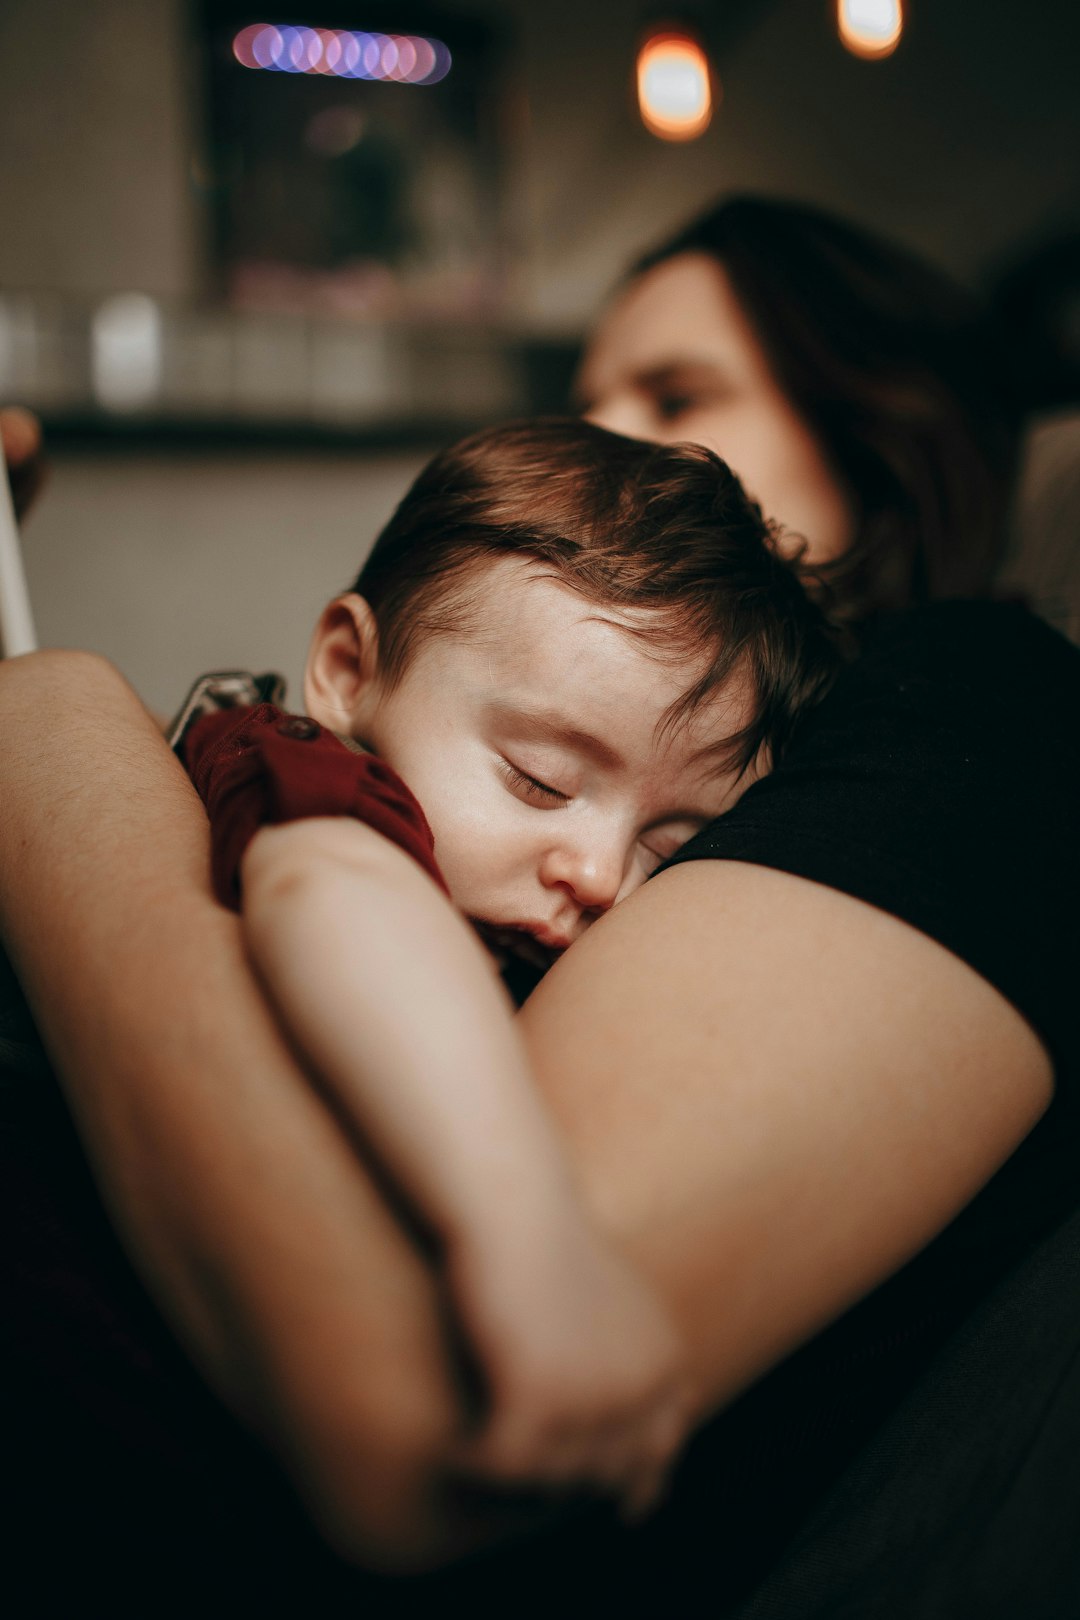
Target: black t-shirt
{"type": "Point", "coordinates": [939, 781]}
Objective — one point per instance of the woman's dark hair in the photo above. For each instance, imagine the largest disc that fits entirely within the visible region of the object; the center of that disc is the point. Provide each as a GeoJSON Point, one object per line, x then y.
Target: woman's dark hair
{"type": "Point", "coordinates": [904, 380]}
{"type": "Point", "coordinates": [631, 526]}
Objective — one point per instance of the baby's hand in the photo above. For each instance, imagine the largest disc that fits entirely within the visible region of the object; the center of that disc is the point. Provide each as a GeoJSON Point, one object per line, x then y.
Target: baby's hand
{"type": "Point", "coordinates": [585, 1376]}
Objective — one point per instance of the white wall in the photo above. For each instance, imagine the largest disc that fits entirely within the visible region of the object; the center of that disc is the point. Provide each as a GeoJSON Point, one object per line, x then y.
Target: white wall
{"type": "Point", "coordinates": [96, 116]}
{"type": "Point", "coordinates": [965, 141]}
{"type": "Point", "coordinates": [175, 565]}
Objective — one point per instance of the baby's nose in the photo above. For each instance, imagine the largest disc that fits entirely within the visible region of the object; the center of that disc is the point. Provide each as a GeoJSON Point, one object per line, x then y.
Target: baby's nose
{"type": "Point", "coordinates": [592, 875]}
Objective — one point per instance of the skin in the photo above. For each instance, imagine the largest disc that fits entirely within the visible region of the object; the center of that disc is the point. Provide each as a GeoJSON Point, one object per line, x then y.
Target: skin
{"type": "Point", "coordinates": [760, 1171]}
{"type": "Point", "coordinates": [536, 743]}
{"type": "Point", "coordinates": [771, 1094]}
{"type": "Point", "coordinates": [675, 360]}
{"type": "Point", "coordinates": [535, 736]}
{"type": "Point", "coordinates": [20, 439]}
{"type": "Point", "coordinates": [581, 1370]}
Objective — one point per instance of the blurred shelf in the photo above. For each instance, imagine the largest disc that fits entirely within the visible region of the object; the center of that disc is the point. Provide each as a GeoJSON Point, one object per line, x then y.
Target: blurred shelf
{"type": "Point", "coordinates": [130, 370]}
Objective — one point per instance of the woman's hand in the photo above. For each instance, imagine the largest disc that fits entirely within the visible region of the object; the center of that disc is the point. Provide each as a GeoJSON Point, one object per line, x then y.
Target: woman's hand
{"type": "Point", "coordinates": [20, 435]}
{"type": "Point", "coordinates": [583, 1371]}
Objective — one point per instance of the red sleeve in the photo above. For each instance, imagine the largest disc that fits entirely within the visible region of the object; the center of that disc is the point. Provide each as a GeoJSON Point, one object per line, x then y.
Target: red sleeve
{"type": "Point", "coordinates": [258, 767]}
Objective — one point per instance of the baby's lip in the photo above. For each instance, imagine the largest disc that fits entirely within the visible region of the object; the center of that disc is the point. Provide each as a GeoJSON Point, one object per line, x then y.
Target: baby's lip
{"type": "Point", "coordinates": [535, 942]}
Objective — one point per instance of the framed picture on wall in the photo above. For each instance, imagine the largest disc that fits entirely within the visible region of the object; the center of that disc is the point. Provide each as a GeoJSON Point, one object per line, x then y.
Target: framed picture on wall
{"type": "Point", "coordinates": [350, 170]}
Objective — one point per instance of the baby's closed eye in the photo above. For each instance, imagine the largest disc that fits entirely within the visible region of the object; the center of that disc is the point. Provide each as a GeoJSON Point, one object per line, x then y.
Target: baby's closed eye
{"type": "Point", "coordinates": [532, 788]}
{"type": "Point", "coordinates": [660, 843]}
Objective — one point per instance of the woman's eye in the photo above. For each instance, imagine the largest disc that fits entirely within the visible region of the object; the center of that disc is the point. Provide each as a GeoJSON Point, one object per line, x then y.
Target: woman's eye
{"type": "Point", "coordinates": [531, 788]}
{"type": "Point", "coordinates": [669, 407]}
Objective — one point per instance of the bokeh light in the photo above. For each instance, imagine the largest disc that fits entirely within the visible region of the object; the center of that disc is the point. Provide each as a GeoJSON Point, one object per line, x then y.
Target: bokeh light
{"type": "Point", "coordinates": [335, 130]}
{"type": "Point", "coordinates": [342, 53]}
{"type": "Point", "coordinates": [266, 46]}
{"type": "Point", "coordinates": [675, 87]}
{"type": "Point", "coordinates": [406, 62]}
{"type": "Point", "coordinates": [870, 28]}
{"type": "Point", "coordinates": [244, 46]}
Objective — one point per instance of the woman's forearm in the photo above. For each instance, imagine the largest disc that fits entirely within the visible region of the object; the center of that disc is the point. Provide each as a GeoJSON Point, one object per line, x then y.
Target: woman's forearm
{"type": "Point", "coordinates": [250, 1217]}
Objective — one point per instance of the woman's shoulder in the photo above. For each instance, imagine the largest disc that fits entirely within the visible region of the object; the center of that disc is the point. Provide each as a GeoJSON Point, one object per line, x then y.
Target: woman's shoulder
{"type": "Point", "coordinates": [952, 702]}
{"type": "Point", "coordinates": [940, 782]}
{"type": "Point", "coordinates": [963, 709]}
{"type": "Point", "coordinates": [950, 711]}
{"type": "Point", "coordinates": [962, 659]}
{"type": "Point", "coordinates": [971, 644]}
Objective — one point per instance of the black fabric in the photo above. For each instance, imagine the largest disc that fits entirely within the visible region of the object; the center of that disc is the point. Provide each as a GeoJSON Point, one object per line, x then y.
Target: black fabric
{"type": "Point", "coordinates": [939, 782]}
{"type": "Point", "coordinates": [968, 1501]}
{"type": "Point", "coordinates": [127, 1489]}
{"type": "Point", "coordinates": [916, 1461]}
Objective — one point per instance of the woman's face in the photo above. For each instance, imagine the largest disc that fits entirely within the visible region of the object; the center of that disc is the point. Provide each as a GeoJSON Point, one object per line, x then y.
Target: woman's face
{"type": "Point", "coordinates": [675, 360]}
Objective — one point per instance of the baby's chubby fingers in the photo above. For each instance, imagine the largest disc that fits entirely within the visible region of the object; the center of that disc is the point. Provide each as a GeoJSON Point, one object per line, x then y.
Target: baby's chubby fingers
{"type": "Point", "coordinates": [637, 1457]}
{"type": "Point", "coordinates": [518, 1449]}
{"type": "Point", "coordinates": [646, 1474]}
{"type": "Point", "coordinates": [623, 1450]}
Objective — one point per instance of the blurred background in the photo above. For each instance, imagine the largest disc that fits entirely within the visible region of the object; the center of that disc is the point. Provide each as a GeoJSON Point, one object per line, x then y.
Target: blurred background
{"type": "Point", "coordinates": [254, 267]}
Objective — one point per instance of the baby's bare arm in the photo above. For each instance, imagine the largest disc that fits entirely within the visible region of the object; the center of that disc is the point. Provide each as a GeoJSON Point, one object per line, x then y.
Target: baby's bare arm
{"type": "Point", "coordinates": [388, 993]}
{"type": "Point", "coordinates": [392, 998]}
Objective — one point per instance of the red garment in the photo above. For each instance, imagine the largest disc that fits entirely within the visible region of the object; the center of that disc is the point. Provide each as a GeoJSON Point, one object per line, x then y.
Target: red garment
{"type": "Point", "coordinates": [260, 767]}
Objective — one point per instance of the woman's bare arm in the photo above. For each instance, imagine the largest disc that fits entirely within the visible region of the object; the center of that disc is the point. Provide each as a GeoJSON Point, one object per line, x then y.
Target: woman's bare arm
{"type": "Point", "coordinates": [773, 1093]}
{"type": "Point", "coordinates": [251, 1218]}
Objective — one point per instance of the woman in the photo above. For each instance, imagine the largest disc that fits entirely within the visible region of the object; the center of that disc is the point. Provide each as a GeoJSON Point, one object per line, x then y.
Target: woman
{"type": "Point", "coordinates": [790, 1071]}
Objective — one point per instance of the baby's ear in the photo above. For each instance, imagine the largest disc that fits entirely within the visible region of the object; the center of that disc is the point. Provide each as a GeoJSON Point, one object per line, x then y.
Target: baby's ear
{"type": "Point", "coordinates": [342, 665]}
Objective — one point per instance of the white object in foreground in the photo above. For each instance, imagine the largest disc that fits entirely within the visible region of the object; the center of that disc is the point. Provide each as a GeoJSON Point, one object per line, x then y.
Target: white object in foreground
{"type": "Point", "coordinates": [16, 620]}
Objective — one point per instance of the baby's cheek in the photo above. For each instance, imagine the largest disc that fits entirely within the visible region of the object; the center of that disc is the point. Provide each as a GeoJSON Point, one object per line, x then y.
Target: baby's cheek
{"type": "Point", "coordinates": [466, 848]}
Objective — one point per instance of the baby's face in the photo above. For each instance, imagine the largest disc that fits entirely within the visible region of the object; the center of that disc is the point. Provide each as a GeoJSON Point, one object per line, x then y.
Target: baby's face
{"type": "Point", "coordinates": [535, 744]}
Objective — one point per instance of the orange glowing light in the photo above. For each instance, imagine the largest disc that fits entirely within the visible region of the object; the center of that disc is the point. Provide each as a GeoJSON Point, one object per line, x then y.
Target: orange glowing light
{"type": "Point", "coordinates": [675, 87]}
{"type": "Point", "coordinates": [870, 28]}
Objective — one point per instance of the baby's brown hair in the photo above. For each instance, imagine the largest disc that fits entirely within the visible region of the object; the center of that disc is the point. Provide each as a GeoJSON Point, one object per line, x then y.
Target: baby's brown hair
{"type": "Point", "coordinates": [630, 525]}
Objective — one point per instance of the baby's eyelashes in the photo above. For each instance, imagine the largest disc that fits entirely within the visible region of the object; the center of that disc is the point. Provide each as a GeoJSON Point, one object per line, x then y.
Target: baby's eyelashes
{"type": "Point", "coordinates": [531, 788]}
